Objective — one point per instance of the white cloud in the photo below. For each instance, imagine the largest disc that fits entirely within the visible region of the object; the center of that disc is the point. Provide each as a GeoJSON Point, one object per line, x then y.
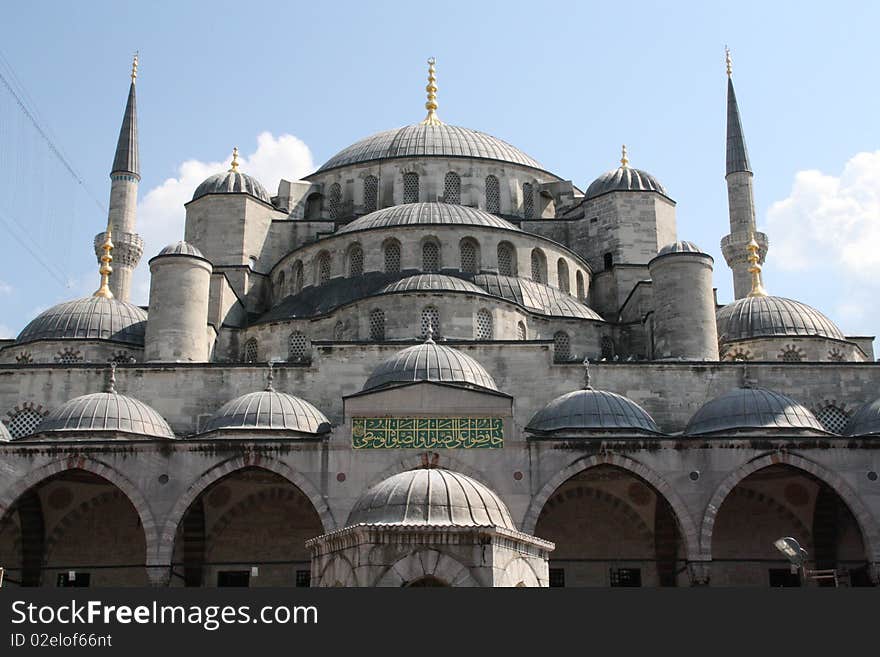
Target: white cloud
{"type": "Point", "coordinates": [5, 288]}
{"type": "Point", "coordinates": [161, 213]}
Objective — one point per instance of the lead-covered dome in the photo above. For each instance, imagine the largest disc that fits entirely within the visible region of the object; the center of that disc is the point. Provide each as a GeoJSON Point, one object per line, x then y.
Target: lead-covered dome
{"type": "Point", "coordinates": [431, 497]}
{"type": "Point", "coordinates": [232, 182]}
{"type": "Point", "coordinates": [90, 318]}
{"type": "Point", "coordinates": [624, 179]}
{"type": "Point", "coordinates": [181, 248]}
{"type": "Point", "coordinates": [866, 421]}
{"type": "Point", "coordinates": [431, 362]}
{"type": "Point", "coordinates": [269, 410]}
{"type": "Point", "coordinates": [432, 283]}
{"type": "Point", "coordinates": [766, 316]}
{"type": "Point", "coordinates": [105, 411]}
{"type": "Point", "coordinates": [422, 214]}
{"type": "Point", "coordinates": [421, 140]}
{"type": "Point", "coordinates": [752, 408]}
{"type": "Point", "coordinates": [681, 246]}
{"type": "Point", "coordinates": [592, 410]}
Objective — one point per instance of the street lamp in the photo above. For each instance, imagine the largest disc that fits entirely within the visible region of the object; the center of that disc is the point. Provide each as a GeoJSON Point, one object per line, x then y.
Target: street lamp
{"type": "Point", "coordinates": [797, 556]}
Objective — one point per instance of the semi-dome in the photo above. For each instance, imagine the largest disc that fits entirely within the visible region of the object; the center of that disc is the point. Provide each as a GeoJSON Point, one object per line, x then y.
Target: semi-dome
{"type": "Point", "coordinates": [432, 283]}
{"type": "Point", "coordinates": [181, 248]}
{"type": "Point", "coordinates": [421, 140]}
{"type": "Point", "coordinates": [5, 436]}
{"type": "Point", "coordinates": [681, 246]}
{"type": "Point", "coordinates": [594, 410]}
{"type": "Point", "coordinates": [106, 411]}
{"type": "Point", "coordinates": [766, 316]}
{"type": "Point", "coordinates": [89, 318]}
{"type": "Point", "coordinates": [421, 214]}
{"type": "Point", "coordinates": [866, 421]}
{"type": "Point", "coordinates": [232, 182]}
{"type": "Point", "coordinates": [431, 497]}
{"type": "Point", "coordinates": [538, 297]}
{"type": "Point", "coordinates": [624, 179]}
{"type": "Point", "coordinates": [752, 408]}
{"type": "Point", "coordinates": [269, 410]}
{"type": "Point", "coordinates": [431, 362]}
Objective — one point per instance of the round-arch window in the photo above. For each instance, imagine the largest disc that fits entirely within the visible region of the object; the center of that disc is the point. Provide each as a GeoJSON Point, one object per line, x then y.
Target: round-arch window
{"type": "Point", "coordinates": [493, 195]}
{"type": "Point", "coordinates": [355, 261]}
{"type": "Point", "coordinates": [832, 418]}
{"type": "Point", "coordinates": [377, 325]}
{"type": "Point", "coordinates": [484, 325]}
{"type": "Point", "coordinates": [297, 347]}
{"type": "Point", "coordinates": [431, 256]}
{"type": "Point", "coordinates": [23, 422]}
{"type": "Point", "coordinates": [561, 347]}
{"type": "Point", "coordinates": [392, 257]}
{"type": "Point", "coordinates": [469, 257]}
{"type": "Point", "coordinates": [430, 318]}
{"type": "Point", "coordinates": [521, 331]}
{"type": "Point", "coordinates": [371, 193]}
{"type": "Point", "coordinates": [251, 352]}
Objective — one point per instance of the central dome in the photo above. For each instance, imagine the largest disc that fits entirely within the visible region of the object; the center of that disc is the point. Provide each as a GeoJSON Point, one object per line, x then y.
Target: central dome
{"type": "Point", "coordinates": [431, 497]}
{"type": "Point", "coordinates": [420, 214]}
{"type": "Point", "coordinates": [431, 362]}
{"type": "Point", "coordinates": [422, 140]}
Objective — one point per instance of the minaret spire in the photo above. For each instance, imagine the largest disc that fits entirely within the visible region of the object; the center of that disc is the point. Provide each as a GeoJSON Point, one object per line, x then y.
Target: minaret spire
{"type": "Point", "coordinates": [124, 177]}
{"type": "Point", "coordinates": [737, 154]}
{"type": "Point", "coordinates": [431, 105]}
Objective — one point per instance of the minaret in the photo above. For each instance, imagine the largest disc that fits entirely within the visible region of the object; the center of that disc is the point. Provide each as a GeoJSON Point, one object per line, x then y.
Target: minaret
{"type": "Point", "coordinates": [124, 178]}
{"type": "Point", "coordinates": [740, 199]}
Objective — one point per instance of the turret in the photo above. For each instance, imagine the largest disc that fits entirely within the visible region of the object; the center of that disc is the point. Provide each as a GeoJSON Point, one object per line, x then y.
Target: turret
{"type": "Point", "coordinates": [684, 304]}
{"type": "Point", "coordinates": [177, 330]}
{"type": "Point", "coordinates": [740, 198]}
{"type": "Point", "coordinates": [124, 177]}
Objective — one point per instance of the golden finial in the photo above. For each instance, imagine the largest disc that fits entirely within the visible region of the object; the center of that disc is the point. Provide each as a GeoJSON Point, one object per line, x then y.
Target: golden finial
{"type": "Point", "coordinates": [755, 269]}
{"type": "Point", "coordinates": [431, 105]}
{"type": "Point", "coordinates": [105, 269]}
{"type": "Point", "coordinates": [134, 67]}
{"type": "Point", "coordinates": [234, 166]}
{"type": "Point", "coordinates": [728, 61]}
{"type": "Point", "coordinates": [624, 160]}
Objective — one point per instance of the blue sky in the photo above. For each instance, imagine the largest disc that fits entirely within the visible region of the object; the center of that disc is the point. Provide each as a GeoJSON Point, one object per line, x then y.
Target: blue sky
{"type": "Point", "coordinates": [568, 83]}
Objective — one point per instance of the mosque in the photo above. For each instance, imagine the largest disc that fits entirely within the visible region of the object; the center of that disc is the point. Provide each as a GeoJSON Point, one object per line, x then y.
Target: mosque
{"type": "Point", "coordinates": [433, 362]}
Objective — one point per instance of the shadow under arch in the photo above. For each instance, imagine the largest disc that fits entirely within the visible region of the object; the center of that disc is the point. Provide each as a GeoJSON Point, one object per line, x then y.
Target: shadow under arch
{"type": "Point", "coordinates": [175, 516]}
{"type": "Point", "coordinates": [867, 523]}
{"type": "Point", "coordinates": [687, 527]}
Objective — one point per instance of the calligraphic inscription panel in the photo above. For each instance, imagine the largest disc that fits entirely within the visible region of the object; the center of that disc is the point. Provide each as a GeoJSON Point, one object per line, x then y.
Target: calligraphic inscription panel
{"type": "Point", "coordinates": [427, 432]}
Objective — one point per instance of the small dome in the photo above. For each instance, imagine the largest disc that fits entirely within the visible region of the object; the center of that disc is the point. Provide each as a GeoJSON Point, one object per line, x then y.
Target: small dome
{"type": "Point", "coordinates": [420, 214]}
{"type": "Point", "coordinates": [681, 246]}
{"type": "Point", "coordinates": [752, 408]}
{"type": "Point", "coordinates": [596, 410]}
{"type": "Point", "coordinates": [430, 362]}
{"type": "Point", "coordinates": [624, 179]}
{"type": "Point", "coordinates": [106, 411]}
{"type": "Point", "coordinates": [5, 436]}
{"type": "Point", "coordinates": [432, 283]}
{"type": "Point", "coordinates": [232, 182]}
{"type": "Point", "coordinates": [422, 140]}
{"type": "Point", "coordinates": [866, 421]}
{"type": "Point", "coordinates": [430, 497]}
{"type": "Point", "coordinates": [180, 248]}
{"type": "Point", "coordinates": [269, 410]}
{"type": "Point", "coordinates": [90, 318]}
{"type": "Point", "coordinates": [759, 317]}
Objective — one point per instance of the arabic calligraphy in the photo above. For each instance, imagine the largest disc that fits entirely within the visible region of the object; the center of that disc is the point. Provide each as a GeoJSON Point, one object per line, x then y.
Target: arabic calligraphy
{"type": "Point", "coordinates": [427, 432]}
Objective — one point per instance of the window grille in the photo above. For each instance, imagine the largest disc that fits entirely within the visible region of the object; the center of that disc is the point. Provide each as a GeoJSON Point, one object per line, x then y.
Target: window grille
{"type": "Point", "coordinates": [452, 188]}
{"type": "Point", "coordinates": [371, 193]}
{"type": "Point", "coordinates": [493, 195]}
{"type": "Point", "coordinates": [297, 347]}
{"type": "Point", "coordinates": [484, 325]}
{"type": "Point", "coordinates": [431, 256]}
{"type": "Point", "coordinates": [607, 346]}
{"type": "Point", "coordinates": [23, 422]}
{"type": "Point", "coordinates": [334, 200]}
{"type": "Point", "coordinates": [430, 318]}
{"type": "Point", "coordinates": [528, 201]}
{"type": "Point", "coordinates": [561, 347]}
{"type": "Point", "coordinates": [791, 355]}
{"type": "Point", "coordinates": [506, 260]}
{"type": "Point", "coordinates": [303, 578]}
{"type": "Point", "coordinates": [123, 357]}
{"type": "Point", "coordinates": [469, 262]}
{"type": "Point", "coordinates": [562, 275]}
{"type": "Point", "coordinates": [833, 418]}
{"type": "Point", "coordinates": [521, 331]}
{"type": "Point", "coordinates": [539, 267]}
{"type": "Point", "coordinates": [250, 351]}
{"type": "Point", "coordinates": [410, 188]}
{"type": "Point", "coordinates": [68, 356]}
{"type": "Point", "coordinates": [323, 268]}
{"type": "Point", "coordinates": [338, 331]}
{"type": "Point", "coordinates": [377, 325]}
{"type": "Point", "coordinates": [355, 261]}
{"type": "Point", "coordinates": [392, 257]}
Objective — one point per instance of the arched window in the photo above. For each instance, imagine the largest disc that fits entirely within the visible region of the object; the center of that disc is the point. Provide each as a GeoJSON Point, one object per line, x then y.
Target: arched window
{"type": "Point", "coordinates": [561, 347]}
{"type": "Point", "coordinates": [608, 261]}
{"type": "Point", "coordinates": [355, 261]}
{"type": "Point", "coordinates": [297, 277]}
{"type": "Point", "coordinates": [483, 328]}
{"type": "Point", "coordinates": [470, 256]}
{"type": "Point", "coordinates": [297, 347]}
{"type": "Point", "coordinates": [371, 193]}
{"type": "Point", "coordinates": [430, 318]}
{"type": "Point", "coordinates": [377, 325]}
{"type": "Point", "coordinates": [410, 188]}
{"type": "Point", "coordinates": [832, 418]}
{"type": "Point", "coordinates": [506, 259]}
{"type": "Point", "coordinates": [539, 266]}
{"type": "Point", "coordinates": [528, 201]}
{"type": "Point", "coordinates": [334, 200]}
{"type": "Point", "coordinates": [23, 422]}
{"type": "Point", "coordinates": [581, 290]}
{"type": "Point", "coordinates": [323, 268]}
{"type": "Point", "coordinates": [392, 257]}
{"type": "Point", "coordinates": [607, 347]}
{"type": "Point", "coordinates": [562, 275]}
{"type": "Point", "coordinates": [339, 331]}
{"type": "Point", "coordinates": [493, 195]}
{"type": "Point", "coordinates": [280, 282]}
{"type": "Point", "coordinates": [251, 351]}
{"type": "Point", "coordinates": [452, 188]}
{"type": "Point", "coordinates": [314, 206]}
{"type": "Point", "coordinates": [521, 332]}
{"type": "Point", "coordinates": [430, 256]}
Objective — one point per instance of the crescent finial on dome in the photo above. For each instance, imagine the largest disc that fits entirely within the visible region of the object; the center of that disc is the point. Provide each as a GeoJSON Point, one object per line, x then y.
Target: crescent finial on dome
{"type": "Point", "coordinates": [234, 166]}
{"type": "Point", "coordinates": [624, 160]}
{"type": "Point", "coordinates": [431, 105]}
{"type": "Point", "coordinates": [105, 270]}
